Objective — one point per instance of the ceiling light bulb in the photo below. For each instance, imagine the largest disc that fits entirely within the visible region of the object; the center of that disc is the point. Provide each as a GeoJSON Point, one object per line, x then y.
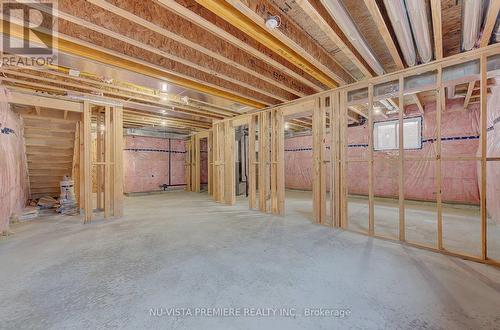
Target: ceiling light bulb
{"type": "Point", "coordinates": [164, 87]}
{"type": "Point", "coordinates": [287, 125]}
{"type": "Point", "coordinates": [273, 22]}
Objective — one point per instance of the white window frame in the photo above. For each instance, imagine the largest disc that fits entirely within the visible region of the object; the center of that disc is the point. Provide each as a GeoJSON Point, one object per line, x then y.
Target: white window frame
{"type": "Point", "coordinates": [395, 124]}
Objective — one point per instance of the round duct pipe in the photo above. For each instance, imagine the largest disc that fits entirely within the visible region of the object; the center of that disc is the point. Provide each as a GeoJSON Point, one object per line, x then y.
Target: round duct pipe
{"type": "Point", "coordinates": [338, 12]}
{"type": "Point", "coordinates": [419, 18]}
{"type": "Point", "coordinates": [471, 22]}
{"type": "Point", "coordinates": [399, 19]}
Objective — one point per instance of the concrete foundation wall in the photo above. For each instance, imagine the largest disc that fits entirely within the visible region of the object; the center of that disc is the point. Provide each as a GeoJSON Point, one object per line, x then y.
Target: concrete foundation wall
{"type": "Point", "coordinates": [460, 137]}
{"type": "Point", "coordinates": [14, 189]}
{"type": "Point", "coordinates": [146, 163]}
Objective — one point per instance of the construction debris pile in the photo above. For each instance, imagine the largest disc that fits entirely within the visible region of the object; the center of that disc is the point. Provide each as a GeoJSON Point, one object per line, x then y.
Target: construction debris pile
{"type": "Point", "coordinates": [67, 200]}
{"type": "Point", "coordinates": [66, 204]}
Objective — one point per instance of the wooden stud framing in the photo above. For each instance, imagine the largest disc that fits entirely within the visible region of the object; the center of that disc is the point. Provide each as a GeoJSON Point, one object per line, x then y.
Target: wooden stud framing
{"type": "Point", "coordinates": [470, 89]}
{"type": "Point", "coordinates": [338, 118]}
{"type": "Point", "coordinates": [483, 145]}
{"type": "Point", "coordinates": [210, 161]}
{"type": "Point", "coordinates": [319, 168]}
{"type": "Point", "coordinates": [263, 176]}
{"type": "Point", "coordinates": [401, 159]}
{"type": "Point", "coordinates": [371, 207]}
{"type": "Point", "coordinates": [439, 107]}
{"type": "Point", "coordinates": [117, 114]}
{"type": "Point", "coordinates": [280, 162]}
{"type": "Point", "coordinates": [107, 160]}
{"type": "Point", "coordinates": [229, 165]}
{"type": "Point", "coordinates": [252, 162]}
{"type": "Point", "coordinates": [87, 162]}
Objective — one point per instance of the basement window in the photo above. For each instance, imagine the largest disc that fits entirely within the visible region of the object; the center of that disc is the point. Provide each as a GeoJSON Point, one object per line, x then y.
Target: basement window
{"type": "Point", "coordinates": [386, 134]}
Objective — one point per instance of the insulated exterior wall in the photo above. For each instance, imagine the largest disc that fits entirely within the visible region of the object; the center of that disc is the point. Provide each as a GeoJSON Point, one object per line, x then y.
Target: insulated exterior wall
{"type": "Point", "coordinates": [146, 163]}
{"type": "Point", "coordinates": [13, 177]}
{"type": "Point", "coordinates": [460, 132]}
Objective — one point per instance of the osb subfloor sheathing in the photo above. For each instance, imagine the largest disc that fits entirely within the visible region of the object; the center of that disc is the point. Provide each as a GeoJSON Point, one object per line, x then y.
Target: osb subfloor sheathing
{"type": "Point", "coordinates": [183, 250]}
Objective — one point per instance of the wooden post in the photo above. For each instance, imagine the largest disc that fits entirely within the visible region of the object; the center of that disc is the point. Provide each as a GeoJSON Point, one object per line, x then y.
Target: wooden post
{"type": "Point", "coordinates": [118, 161]}
{"type": "Point", "coordinates": [344, 189]}
{"type": "Point", "coordinates": [371, 206]}
{"type": "Point", "coordinates": [401, 160]}
{"type": "Point", "coordinates": [187, 165]}
{"type": "Point", "coordinates": [107, 160]}
{"type": "Point", "coordinates": [319, 187]}
{"type": "Point", "coordinates": [76, 163]}
{"type": "Point", "coordinates": [99, 159]}
{"type": "Point", "coordinates": [210, 143]}
{"type": "Point", "coordinates": [263, 160]}
{"type": "Point", "coordinates": [280, 159]}
{"type": "Point", "coordinates": [87, 160]}
{"type": "Point", "coordinates": [335, 191]}
{"type": "Point", "coordinates": [229, 164]}
{"type": "Point", "coordinates": [483, 120]}
{"type": "Point", "coordinates": [439, 105]}
{"type": "Point", "coordinates": [195, 163]}
{"type": "Point", "coordinates": [252, 163]}
{"type": "Point", "coordinates": [274, 162]}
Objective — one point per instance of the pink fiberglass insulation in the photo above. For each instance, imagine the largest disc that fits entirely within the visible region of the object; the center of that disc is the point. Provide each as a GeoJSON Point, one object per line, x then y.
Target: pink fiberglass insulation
{"type": "Point", "coordinates": [460, 137]}
{"type": "Point", "coordinates": [13, 176]}
{"type": "Point", "coordinates": [146, 163]}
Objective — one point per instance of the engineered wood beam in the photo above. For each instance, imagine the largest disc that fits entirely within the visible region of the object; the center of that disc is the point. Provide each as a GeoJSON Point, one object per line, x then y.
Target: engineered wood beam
{"type": "Point", "coordinates": [384, 32]}
{"type": "Point", "coordinates": [180, 24]}
{"type": "Point", "coordinates": [95, 53]}
{"type": "Point", "coordinates": [45, 102]}
{"type": "Point", "coordinates": [126, 28]}
{"type": "Point", "coordinates": [250, 20]}
{"type": "Point", "coordinates": [202, 17]}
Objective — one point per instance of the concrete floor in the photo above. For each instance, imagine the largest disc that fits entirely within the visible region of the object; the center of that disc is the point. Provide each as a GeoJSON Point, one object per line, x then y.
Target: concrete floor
{"type": "Point", "coordinates": [182, 250]}
{"type": "Point", "coordinates": [461, 223]}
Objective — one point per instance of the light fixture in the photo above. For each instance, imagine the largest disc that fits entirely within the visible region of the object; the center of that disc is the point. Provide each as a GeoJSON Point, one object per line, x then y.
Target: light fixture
{"type": "Point", "coordinates": [74, 73]}
{"type": "Point", "coordinates": [164, 87]}
{"type": "Point", "coordinates": [185, 99]}
{"type": "Point", "coordinates": [399, 20]}
{"type": "Point", "coordinates": [338, 12]}
{"type": "Point", "coordinates": [287, 126]}
{"type": "Point", "coordinates": [164, 98]}
{"type": "Point", "coordinates": [272, 22]}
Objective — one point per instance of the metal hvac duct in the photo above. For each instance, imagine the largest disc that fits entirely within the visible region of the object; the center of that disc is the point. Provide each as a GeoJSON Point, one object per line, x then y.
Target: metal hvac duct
{"type": "Point", "coordinates": [342, 18]}
{"type": "Point", "coordinates": [472, 18]}
{"type": "Point", "coordinates": [399, 19]}
{"type": "Point", "coordinates": [419, 19]}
